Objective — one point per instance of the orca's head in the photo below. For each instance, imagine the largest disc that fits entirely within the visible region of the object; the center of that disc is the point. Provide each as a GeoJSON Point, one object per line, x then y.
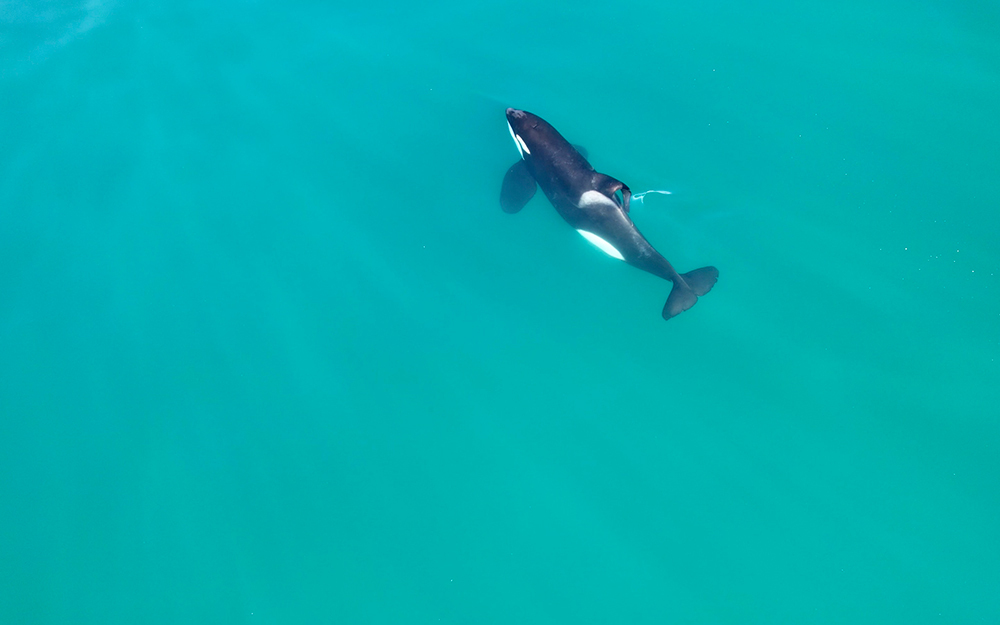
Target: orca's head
{"type": "Point", "coordinates": [525, 129]}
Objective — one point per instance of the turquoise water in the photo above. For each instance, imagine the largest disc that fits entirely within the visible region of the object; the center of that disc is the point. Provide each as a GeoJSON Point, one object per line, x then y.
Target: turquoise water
{"type": "Point", "coordinates": [270, 352]}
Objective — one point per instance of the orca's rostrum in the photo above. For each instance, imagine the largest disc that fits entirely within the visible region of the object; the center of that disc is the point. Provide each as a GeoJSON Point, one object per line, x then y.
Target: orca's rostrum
{"type": "Point", "coordinates": [594, 203]}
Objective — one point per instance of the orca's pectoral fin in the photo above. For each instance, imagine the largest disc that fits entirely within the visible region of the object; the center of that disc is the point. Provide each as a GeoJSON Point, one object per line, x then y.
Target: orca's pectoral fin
{"type": "Point", "coordinates": [518, 187]}
{"type": "Point", "coordinates": [582, 150]}
{"type": "Point", "coordinates": [686, 291]}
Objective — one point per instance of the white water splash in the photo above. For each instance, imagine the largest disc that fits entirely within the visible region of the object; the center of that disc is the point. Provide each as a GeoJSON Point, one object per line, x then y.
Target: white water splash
{"type": "Point", "coordinates": [640, 196]}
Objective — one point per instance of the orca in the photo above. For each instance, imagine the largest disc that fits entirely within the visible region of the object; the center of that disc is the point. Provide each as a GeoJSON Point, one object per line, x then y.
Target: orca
{"type": "Point", "coordinates": [595, 204]}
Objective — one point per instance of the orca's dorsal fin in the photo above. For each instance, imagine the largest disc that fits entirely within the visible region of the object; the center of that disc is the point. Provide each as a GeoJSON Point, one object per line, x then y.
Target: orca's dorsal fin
{"type": "Point", "coordinates": [611, 187]}
{"type": "Point", "coordinates": [518, 187]}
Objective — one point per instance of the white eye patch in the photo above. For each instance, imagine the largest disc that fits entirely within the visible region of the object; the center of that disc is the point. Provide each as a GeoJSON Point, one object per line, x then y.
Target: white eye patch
{"type": "Point", "coordinates": [523, 145]}
{"type": "Point", "coordinates": [518, 141]}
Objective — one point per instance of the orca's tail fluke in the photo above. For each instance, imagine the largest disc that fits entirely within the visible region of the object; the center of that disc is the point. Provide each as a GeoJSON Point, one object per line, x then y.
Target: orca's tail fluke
{"type": "Point", "coordinates": [686, 291]}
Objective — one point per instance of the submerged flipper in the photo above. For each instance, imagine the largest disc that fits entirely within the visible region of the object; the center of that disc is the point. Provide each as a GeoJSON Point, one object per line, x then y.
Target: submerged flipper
{"type": "Point", "coordinates": [518, 187]}
{"type": "Point", "coordinates": [686, 291]}
{"type": "Point", "coordinates": [582, 150]}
